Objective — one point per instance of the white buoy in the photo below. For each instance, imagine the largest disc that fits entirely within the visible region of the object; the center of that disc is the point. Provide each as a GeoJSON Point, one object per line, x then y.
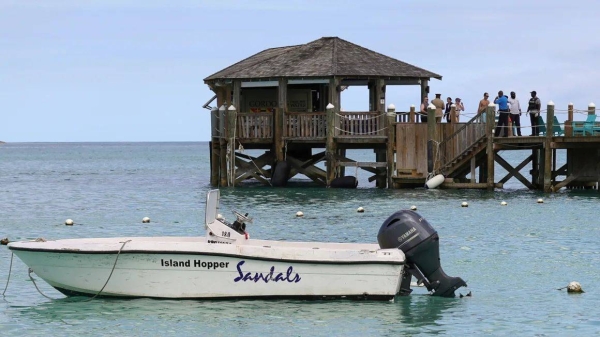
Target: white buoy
{"type": "Point", "coordinates": [464, 204]}
{"type": "Point", "coordinates": [219, 216]}
{"type": "Point", "coordinates": [574, 287]}
{"type": "Point", "coordinates": [69, 222]}
{"type": "Point", "coordinates": [360, 210]}
{"type": "Point", "coordinates": [540, 201]}
{"type": "Point", "coordinates": [299, 214]}
{"type": "Point", "coordinates": [146, 220]}
{"type": "Point", "coordinates": [413, 207]}
{"type": "Point", "coordinates": [435, 181]}
{"type": "Point", "coordinates": [503, 203]}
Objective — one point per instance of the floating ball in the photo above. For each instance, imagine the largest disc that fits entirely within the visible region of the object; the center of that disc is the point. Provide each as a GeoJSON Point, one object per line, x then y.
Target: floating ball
{"type": "Point", "coordinates": [540, 201]}
{"type": "Point", "coordinates": [360, 210]}
{"type": "Point", "coordinates": [503, 203]}
{"type": "Point", "coordinates": [4, 241]}
{"type": "Point", "coordinates": [413, 207]}
{"type": "Point", "coordinates": [299, 214]}
{"type": "Point", "coordinates": [574, 287]}
{"type": "Point", "coordinates": [69, 222]}
{"type": "Point", "coordinates": [464, 204]}
{"type": "Point", "coordinates": [146, 220]}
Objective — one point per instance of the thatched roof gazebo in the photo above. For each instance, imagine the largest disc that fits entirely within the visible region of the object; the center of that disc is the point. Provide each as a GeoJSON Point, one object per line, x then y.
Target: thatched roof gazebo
{"type": "Point", "coordinates": [304, 79]}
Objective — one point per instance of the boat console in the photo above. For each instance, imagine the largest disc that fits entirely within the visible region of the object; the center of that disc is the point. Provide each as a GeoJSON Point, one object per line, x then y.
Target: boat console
{"type": "Point", "coordinates": [411, 233]}
{"type": "Point", "coordinates": [218, 230]}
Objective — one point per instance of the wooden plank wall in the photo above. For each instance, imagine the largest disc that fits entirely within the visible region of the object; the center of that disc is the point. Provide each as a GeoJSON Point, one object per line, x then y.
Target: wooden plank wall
{"type": "Point", "coordinates": [411, 147]}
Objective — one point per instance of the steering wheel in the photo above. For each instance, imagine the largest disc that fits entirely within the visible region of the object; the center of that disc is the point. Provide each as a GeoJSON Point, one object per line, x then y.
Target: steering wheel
{"type": "Point", "coordinates": [241, 217]}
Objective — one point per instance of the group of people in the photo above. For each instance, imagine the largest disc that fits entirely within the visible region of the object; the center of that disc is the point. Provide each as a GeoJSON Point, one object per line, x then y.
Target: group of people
{"type": "Point", "coordinates": [508, 108]}
{"type": "Point", "coordinates": [441, 110]}
{"type": "Point", "coordinates": [511, 108]}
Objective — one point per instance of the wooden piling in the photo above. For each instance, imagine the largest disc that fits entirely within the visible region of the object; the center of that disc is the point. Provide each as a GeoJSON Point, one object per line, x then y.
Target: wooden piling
{"type": "Point", "coordinates": [569, 121]}
{"type": "Point", "coordinates": [431, 138]}
{"type": "Point", "coordinates": [231, 126]}
{"type": "Point", "coordinates": [330, 144]}
{"type": "Point", "coordinates": [278, 123]}
{"type": "Point", "coordinates": [547, 148]}
{"type": "Point", "coordinates": [223, 147]}
{"type": "Point", "coordinates": [391, 142]}
{"type": "Point", "coordinates": [490, 121]}
{"type": "Point", "coordinates": [411, 114]}
{"type": "Point", "coordinates": [214, 147]}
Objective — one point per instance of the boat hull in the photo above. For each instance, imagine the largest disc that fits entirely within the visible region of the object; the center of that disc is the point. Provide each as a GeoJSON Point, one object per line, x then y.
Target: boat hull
{"type": "Point", "coordinates": [192, 275]}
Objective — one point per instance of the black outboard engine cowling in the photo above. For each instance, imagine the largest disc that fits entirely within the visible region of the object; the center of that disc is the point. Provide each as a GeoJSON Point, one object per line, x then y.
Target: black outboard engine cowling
{"type": "Point", "coordinates": [411, 233]}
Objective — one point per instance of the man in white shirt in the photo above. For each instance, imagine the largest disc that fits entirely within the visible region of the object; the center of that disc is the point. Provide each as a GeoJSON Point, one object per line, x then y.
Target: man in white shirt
{"type": "Point", "coordinates": [515, 112]}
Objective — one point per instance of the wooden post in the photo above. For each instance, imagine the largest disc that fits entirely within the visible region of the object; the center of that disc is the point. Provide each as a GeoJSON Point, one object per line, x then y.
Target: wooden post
{"type": "Point", "coordinates": [391, 142]}
{"type": "Point", "coordinates": [569, 121]}
{"type": "Point", "coordinates": [411, 114]}
{"type": "Point", "coordinates": [473, 166]}
{"type": "Point", "coordinates": [591, 109]}
{"type": "Point", "coordinates": [453, 114]}
{"type": "Point", "coordinates": [214, 153]}
{"type": "Point", "coordinates": [231, 133]}
{"type": "Point", "coordinates": [490, 121]}
{"type": "Point", "coordinates": [547, 149]}
{"type": "Point", "coordinates": [223, 147]}
{"type": "Point", "coordinates": [424, 90]}
{"type": "Point", "coordinates": [510, 125]}
{"type": "Point", "coordinates": [278, 122]}
{"type": "Point", "coordinates": [330, 145]}
{"type": "Point", "coordinates": [431, 137]}
{"type": "Point", "coordinates": [237, 94]}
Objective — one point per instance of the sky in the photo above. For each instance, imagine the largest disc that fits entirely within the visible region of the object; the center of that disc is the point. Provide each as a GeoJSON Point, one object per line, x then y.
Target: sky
{"type": "Point", "coordinates": [124, 70]}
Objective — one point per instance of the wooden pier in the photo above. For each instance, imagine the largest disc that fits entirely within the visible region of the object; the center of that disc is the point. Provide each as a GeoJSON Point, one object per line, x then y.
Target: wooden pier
{"type": "Point", "coordinates": [285, 103]}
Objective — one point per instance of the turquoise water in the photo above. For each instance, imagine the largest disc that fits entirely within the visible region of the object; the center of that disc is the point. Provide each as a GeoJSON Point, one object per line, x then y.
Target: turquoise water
{"type": "Point", "coordinates": [513, 257]}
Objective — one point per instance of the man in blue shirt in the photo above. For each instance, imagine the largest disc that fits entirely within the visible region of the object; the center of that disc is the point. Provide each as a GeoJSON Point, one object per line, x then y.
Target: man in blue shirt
{"type": "Point", "coordinates": [502, 127]}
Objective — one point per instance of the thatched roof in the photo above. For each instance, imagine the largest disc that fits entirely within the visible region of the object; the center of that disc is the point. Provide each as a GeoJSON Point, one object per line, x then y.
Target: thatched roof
{"type": "Point", "coordinates": [325, 57]}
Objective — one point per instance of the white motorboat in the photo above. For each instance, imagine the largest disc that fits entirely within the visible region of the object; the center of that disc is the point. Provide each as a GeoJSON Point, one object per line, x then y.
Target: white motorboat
{"type": "Point", "coordinates": [226, 263]}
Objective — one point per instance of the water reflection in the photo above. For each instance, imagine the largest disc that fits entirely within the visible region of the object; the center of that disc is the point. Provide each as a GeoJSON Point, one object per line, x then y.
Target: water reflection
{"type": "Point", "coordinates": [414, 314]}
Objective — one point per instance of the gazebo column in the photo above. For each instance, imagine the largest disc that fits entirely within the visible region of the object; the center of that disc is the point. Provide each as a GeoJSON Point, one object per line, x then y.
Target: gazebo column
{"type": "Point", "coordinates": [279, 116]}
{"type": "Point", "coordinates": [424, 91]}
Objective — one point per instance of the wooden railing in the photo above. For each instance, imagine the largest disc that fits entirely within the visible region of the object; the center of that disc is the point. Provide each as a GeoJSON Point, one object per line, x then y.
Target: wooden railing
{"type": "Point", "coordinates": [360, 123]}
{"type": "Point", "coordinates": [403, 117]}
{"type": "Point", "coordinates": [305, 125]}
{"type": "Point", "coordinates": [254, 125]}
{"type": "Point", "coordinates": [461, 140]}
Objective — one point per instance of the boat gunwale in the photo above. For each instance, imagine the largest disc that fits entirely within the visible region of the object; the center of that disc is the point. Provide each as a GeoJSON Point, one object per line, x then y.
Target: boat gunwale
{"type": "Point", "coordinates": [180, 252]}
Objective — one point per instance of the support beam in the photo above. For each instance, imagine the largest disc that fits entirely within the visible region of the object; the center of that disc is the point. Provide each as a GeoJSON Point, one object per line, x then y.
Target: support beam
{"type": "Point", "coordinates": [512, 171]}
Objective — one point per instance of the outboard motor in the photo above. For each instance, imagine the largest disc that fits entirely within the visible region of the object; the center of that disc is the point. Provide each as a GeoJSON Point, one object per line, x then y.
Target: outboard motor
{"type": "Point", "coordinates": [411, 233]}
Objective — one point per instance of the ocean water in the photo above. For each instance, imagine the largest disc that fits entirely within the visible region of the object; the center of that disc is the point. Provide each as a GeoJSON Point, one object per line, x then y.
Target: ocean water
{"type": "Point", "coordinates": [513, 257]}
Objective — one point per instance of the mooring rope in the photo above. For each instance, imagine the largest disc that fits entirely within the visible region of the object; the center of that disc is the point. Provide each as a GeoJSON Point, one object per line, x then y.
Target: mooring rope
{"type": "Point", "coordinates": [9, 272]}
{"type": "Point", "coordinates": [99, 292]}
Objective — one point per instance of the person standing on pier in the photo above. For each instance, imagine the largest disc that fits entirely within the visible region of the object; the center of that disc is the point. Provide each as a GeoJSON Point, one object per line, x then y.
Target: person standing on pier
{"type": "Point", "coordinates": [483, 105]}
{"type": "Point", "coordinates": [448, 108]}
{"type": "Point", "coordinates": [423, 111]}
{"type": "Point", "coordinates": [534, 108]}
{"type": "Point", "coordinates": [515, 112]}
{"type": "Point", "coordinates": [459, 107]}
{"type": "Point", "coordinates": [439, 107]}
{"type": "Point", "coordinates": [502, 127]}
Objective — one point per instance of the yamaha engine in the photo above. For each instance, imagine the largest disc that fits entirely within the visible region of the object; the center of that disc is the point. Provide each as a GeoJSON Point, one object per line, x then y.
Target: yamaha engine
{"type": "Point", "coordinates": [411, 233]}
